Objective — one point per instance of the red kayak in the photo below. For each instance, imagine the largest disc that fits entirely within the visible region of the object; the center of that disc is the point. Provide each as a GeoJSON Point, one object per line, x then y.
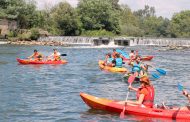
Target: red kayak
{"type": "Point", "coordinates": [143, 58]}
{"type": "Point", "coordinates": [113, 106]}
{"type": "Point", "coordinates": [26, 61]}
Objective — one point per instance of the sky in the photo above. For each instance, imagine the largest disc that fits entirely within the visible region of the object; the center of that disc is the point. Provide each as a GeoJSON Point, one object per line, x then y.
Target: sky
{"type": "Point", "coordinates": [165, 8]}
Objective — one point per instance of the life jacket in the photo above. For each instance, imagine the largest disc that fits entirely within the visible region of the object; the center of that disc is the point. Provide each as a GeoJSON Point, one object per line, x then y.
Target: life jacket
{"type": "Point", "coordinates": [36, 55]}
{"type": "Point", "coordinates": [149, 98]}
{"type": "Point", "coordinates": [114, 54]}
{"type": "Point", "coordinates": [119, 62]}
{"type": "Point", "coordinates": [132, 55]}
{"type": "Point", "coordinates": [109, 61]}
{"type": "Point", "coordinates": [56, 57]}
{"type": "Point", "coordinates": [136, 67]}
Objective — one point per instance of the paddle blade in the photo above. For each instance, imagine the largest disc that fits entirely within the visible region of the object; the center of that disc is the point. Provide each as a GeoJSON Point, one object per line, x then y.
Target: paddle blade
{"type": "Point", "coordinates": [180, 87]}
{"type": "Point", "coordinates": [161, 71]}
{"type": "Point", "coordinates": [122, 115]}
{"type": "Point", "coordinates": [155, 76]}
{"type": "Point", "coordinates": [131, 79]}
{"type": "Point", "coordinates": [63, 54]}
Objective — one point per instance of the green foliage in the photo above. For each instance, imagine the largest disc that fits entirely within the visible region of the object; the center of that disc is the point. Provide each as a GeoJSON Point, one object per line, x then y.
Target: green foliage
{"type": "Point", "coordinates": [34, 34]}
{"type": "Point", "coordinates": [12, 33]}
{"type": "Point", "coordinates": [99, 14]}
{"type": "Point", "coordinates": [66, 19]}
{"type": "Point", "coordinates": [92, 18]}
{"type": "Point", "coordinates": [102, 33]}
{"type": "Point", "coordinates": [180, 24]}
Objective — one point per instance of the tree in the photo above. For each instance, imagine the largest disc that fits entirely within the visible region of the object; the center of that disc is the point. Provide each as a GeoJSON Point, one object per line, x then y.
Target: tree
{"type": "Point", "coordinates": [66, 19]}
{"type": "Point", "coordinates": [129, 23]}
{"type": "Point", "coordinates": [180, 24]}
{"type": "Point", "coordinates": [99, 15]}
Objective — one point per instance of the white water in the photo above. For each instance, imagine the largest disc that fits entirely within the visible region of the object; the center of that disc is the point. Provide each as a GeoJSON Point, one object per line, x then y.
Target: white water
{"type": "Point", "coordinates": [74, 40]}
{"type": "Point", "coordinates": [161, 42]}
{"type": "Point", "coordinates": [3, 42]}
{"type": "Point", "coordinates": [89, 41]}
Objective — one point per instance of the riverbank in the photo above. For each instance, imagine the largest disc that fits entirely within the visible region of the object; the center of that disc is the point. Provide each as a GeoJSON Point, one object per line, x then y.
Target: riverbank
{"type": "Point", "coordinates": [34, 42]}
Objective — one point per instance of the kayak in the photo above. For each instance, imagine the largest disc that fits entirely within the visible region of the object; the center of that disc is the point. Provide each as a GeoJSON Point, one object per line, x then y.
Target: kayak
{"type": "Point", "coordinates": [143, 58]}
{"type": "Point", "coordinates": [113, 106]}
{"type": "Point", "coordinates": [109, 68]}
{"type": "Point", "coordinates": [26, 61]}
{"type": "Point", "coordinates": [126, 56]}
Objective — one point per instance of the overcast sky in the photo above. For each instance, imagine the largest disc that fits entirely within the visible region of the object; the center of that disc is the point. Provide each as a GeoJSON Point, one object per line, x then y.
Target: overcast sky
{"type": "Point", "coordinates": [165, 8]}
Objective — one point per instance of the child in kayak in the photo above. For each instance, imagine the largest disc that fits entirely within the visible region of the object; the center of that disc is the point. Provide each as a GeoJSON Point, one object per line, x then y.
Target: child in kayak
{"type": "Point", "coordinates": [137, 67]}
{"type": "Point", "coordinates": [108, 60]}
{"type": "Point", "coordinates": [132, 54]}
{"type": "Point", "coordinates": [114, 53]}
{"type": "Point", "coordinates": [118, 61]}
{"type": "Point", "coordinates": [55, 55]}
{"type": "Point", "coordinates": [145, 94]}
{"type": "Point", "coordinates": [36, 56]}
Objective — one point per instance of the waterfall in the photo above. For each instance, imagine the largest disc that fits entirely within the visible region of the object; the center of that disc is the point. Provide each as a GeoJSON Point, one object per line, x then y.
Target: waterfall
{"type": "Point", "coordinates": [161, 41]}
{"type": "Point", "coordinates": [113, 42]}
{"type": "Point", "coordinates": [71, 40]}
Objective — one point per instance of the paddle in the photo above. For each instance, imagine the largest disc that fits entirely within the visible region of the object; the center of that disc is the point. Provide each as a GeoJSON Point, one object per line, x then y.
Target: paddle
{"type": "Point", "coordinates": [130, 80]}
{"type": "Point", "coordinates": [161, 71]}
{"type": "Point", "coordinates": [154, 75]}
{"type": "Point", "coordinates": [181, 87]}
{"type": "Point", "coordinates": [63, 55]}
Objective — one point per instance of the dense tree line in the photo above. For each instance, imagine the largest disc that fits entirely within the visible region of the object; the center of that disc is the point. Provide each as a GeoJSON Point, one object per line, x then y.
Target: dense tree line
{"type": "Point", "coordinates": [95, 18]}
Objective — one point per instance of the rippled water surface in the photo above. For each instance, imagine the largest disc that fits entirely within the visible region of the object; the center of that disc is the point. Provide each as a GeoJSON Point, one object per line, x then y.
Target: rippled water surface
{"type": "Point", "coordinates": [51, 92]}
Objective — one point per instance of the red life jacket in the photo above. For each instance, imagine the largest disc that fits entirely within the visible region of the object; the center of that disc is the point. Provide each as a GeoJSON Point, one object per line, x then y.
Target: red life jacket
{"type": "Point", "coordinates": [149, 98]}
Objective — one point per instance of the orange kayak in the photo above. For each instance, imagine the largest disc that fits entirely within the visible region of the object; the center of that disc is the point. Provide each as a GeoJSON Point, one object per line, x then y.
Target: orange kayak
{"type": "Point", "coordinates": [26, 61]}
{"type": "Point", "coordinates": [113, 106]}
{"type": "Point", "coordinates": [110, 69]}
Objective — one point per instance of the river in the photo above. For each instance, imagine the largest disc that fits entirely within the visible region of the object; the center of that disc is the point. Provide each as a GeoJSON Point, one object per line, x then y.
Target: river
{"type": "Point", "coordinates": [51, 92]}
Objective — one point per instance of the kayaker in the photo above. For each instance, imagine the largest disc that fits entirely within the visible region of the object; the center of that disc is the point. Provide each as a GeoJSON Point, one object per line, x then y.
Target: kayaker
{"type": "Point", "coordinates": [114, 53]}
{"type": "Point", "coordinates": [137, 66]}
{"type": "Point", "coordinates": [108, 60]}
{"type": "Point", "coordinates": [145, 94]}
{"type": "Point", "coordinates": [36, 56]}
{"type": "Point", "coordinates": [132, 54]}
{"type": "Point", "coordinates": [56, 55]}
{"type": "Point", "coordinates": [117, 62]}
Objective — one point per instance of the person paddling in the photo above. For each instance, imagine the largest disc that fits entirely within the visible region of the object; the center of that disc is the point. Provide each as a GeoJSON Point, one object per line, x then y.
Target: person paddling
{"type": "Point", "coordinates": [185, 93]}
{"type": "Point", "coordinates": [137, 67]}
{"type": "Point", "coordinates": [56, 55]}
{"type": "Point", "coordinates": [132, 54]}
{"type": "Point", "coordinates": [114, 53]}
{"type": "Point", "coordinates": [145, 94]}
{"type": "Point", "coordinates": [36, 56]}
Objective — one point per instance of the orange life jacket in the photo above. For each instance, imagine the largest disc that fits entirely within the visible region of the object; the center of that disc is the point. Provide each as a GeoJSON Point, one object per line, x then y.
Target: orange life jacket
{"type": "Point", "coordinates": [56, 57]}
{"type": "Point", "coordinates": [114, 54]}
{"type": "Point", "coordinates": [36, 55]}
{"type": "Point", "coordinates": [149, 98]}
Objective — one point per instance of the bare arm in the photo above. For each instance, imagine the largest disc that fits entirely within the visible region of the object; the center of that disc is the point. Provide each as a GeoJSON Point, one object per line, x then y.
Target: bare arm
{"type": "Point", "coordinates": [132, 88]}
{"type": "Point", "coordinates": [138, 102]}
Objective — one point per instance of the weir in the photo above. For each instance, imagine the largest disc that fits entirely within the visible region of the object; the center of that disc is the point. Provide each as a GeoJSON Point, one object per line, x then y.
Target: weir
{"type": "Point", "coordinates": [117, 41]}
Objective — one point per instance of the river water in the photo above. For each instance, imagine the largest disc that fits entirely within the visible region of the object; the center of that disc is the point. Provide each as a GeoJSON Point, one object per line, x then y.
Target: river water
{"type": "Point", "coordinates": [51, 92]}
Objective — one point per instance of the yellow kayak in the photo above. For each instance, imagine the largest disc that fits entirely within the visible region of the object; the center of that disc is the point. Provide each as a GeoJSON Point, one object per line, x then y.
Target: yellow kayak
{"type": "Point", "coordinates": [111, 69]}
